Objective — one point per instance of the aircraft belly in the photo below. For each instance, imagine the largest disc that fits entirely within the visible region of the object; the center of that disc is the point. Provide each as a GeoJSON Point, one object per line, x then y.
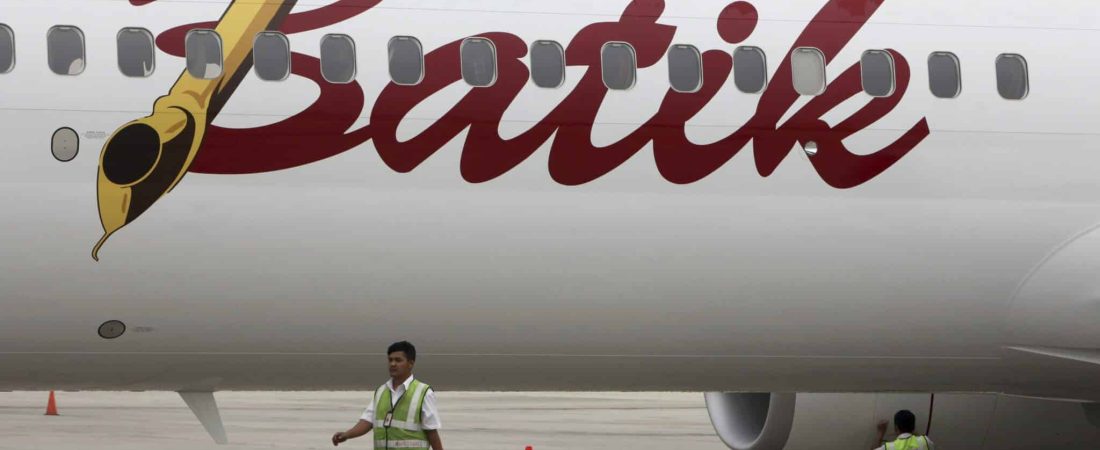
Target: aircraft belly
{"type": "Point", "coordinates": [744, 286]}
{"type": "Point", "coordinates": [360, 371]}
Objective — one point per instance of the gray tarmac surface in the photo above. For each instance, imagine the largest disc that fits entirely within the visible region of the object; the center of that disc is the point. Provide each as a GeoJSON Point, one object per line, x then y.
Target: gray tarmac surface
{"type": "Point", "coordinates": [307, 420]}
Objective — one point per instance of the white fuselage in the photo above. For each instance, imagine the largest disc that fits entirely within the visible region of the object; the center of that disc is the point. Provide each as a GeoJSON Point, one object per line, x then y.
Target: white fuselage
{"type": "Point", "coordinates": [300, 278]}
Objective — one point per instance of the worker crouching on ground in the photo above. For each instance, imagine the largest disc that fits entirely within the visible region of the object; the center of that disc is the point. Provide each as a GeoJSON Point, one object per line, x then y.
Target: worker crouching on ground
{"type": "Point", "coordinates": [905, 422]}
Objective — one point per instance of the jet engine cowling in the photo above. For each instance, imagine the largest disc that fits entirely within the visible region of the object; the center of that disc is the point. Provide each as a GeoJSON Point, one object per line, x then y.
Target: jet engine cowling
{"type": "Point", "coordinates": [788, 421]}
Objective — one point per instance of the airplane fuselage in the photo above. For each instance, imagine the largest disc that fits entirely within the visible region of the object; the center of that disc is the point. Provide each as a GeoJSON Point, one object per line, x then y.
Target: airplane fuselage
{"type": "Point", "coordinates": [556, 238]}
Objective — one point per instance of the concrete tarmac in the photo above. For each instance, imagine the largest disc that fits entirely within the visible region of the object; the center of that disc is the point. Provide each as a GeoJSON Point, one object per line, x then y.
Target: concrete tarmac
{"type": "Point", "coordinates": [307, 420]}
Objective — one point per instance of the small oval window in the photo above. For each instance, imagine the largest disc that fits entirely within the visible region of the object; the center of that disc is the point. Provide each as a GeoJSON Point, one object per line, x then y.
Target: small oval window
{"type": "Point", "coordinates": [7, 49]}
{"type": "Point", "coordinates": [547, 64]}
{"type": "Point", "coordinates": [271, 56]}
{"type": "Point", "coordinates": [877, 72]}
{"type": "Point", "coordinates": [204, 54]}
{"type": "Point", "coordinates": [1012, 76]}
{"type": "Point", "coordinates": [406, 60]}
{"type": "Point", "coordinates": [685, 68]}
{"type": "Point", "coordinates": [944, 75]}
{"type": "Point", "coordinates": [808, 70]}
{"type": "Point", "coordinates": [65, 50]}
{"type": "Point", "coordinates": [750, 69]}
{"type": "Point", "coordinates": [65, 144]}
{"type": "Point", "coordinates": [111, 329]}
{"type": "Point", "coordinates": [136, 54]}
{"type": "Point", "coordinates": [338, 58]}
{"type": "Point", "coordinates": [479, 62]}
{"type": "Point", "coordinates": [620, 65]}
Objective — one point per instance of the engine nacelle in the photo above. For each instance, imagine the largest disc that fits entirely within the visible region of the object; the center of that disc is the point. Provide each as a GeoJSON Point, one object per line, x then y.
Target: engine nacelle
{"type": "Point", "coordinates": [1052, 341]}
{"type": "Point", "coordinates": [751, 421]}
{"type": "Point", "coordinates": [787, 421]}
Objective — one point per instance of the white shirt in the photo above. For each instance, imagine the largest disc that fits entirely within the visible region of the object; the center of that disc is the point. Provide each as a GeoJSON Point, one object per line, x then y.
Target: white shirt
{"type": "Point", "coordinates": [922, 444]}
{"type": "Point", "coordinates": [429, 415]}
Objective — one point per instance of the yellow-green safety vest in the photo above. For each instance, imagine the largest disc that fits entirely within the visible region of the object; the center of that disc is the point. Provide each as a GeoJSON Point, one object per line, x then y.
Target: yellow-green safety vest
{"type": "Point", "coordinates": [405, 431]}
{"type": "Point", "coordinates": [909, 443]}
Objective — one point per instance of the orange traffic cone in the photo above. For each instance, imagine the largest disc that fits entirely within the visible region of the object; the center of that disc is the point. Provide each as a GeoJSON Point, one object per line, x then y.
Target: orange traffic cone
{"type": "Point", "coordinates": [51, 407]}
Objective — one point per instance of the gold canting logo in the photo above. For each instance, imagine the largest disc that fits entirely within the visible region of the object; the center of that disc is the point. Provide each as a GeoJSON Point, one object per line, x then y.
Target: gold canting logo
{"type": "Point", "coordinates": [145, 159]}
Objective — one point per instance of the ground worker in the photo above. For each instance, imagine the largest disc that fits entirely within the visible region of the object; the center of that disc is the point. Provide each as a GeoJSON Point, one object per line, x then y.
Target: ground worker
{"type": "Point", "coordinates": [905, 422]}
{"type": "Point", "coordinates": [403, 412]}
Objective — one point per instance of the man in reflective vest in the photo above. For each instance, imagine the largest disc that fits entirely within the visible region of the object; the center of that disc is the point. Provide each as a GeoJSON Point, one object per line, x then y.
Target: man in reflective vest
{"type": "Point", "coordinates": [905, 422]}
{"type": "Point", "coordinates": [402, 413]}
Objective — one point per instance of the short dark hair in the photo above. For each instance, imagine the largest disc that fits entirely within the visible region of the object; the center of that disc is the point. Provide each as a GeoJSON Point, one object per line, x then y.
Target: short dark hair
{"type": "Point", "coordinates": [905, 421]}
{"type": "Point", "coordinates": [403, 346]}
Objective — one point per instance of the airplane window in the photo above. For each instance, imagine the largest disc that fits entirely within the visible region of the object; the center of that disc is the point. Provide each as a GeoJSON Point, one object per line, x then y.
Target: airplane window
{"type": "Point", "coordinates": [65, 50]}
{"type": "Point", "coordinates": [750, 69]}
{"type": "Point", "coordinates": [620, 65]}
{"type": "Point", "coordinates": [271, 56]}
{"type": "Point", "coordinates": [479, 62]}
{"type": "Point", "coordinates": [944, 75]}
{"type": "Point", "coordinates": [877, 71]}
{"type": "Point", "coordinates": [136, 54]}
{"type": "Point", "coordinates": [685, 68]}
{"type": "Point", "coordinates": [547, 64]}
{"type": "Point", "coordinates": [7, 49]}
{"type": "Point", "coordinates": [338, 58]}
{"type": "Point", "coordinates": [406, 60]}
{"type": "Point", "coordinates": [65, 144]}
{"type": "Point", "coordinates": [1012, 79]}
{"type": "Point", "coordinates": [204, 54]}
{"type": "Point", "coordinates": [808, 70]}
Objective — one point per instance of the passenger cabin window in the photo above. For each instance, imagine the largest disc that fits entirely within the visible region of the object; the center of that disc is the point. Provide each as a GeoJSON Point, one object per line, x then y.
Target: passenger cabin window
{"type": "Point", "coordinates": [1012, 76]}
{"type": "Point", "coordinates": [136, 52]}
{"type": "Point", "coordinates": [685, 68]}
{"type": "Point", "coordinates": [271, 56]}
{"type": "Point", "coordinates": [479, 62]}
{"type": "Point", "coordinates": [7, 49]}
{"type": "Point", "coordinates": [620, 65]}
{"type": "Point", "coordinates": [65, 50]}
{"type": "Point", "coordinates": [944, 75]}
{"type": "Point", "coordinates": [808, 71]}
{"type": "Point", "coordinates": [750, 69]}
{"type": "Point", "coordinates": [547, 64]}
{"type": "Point", "coordinates": [877, 72]}
{"type": "Point", "coordinates": [204, 54]}
{"type": "Point", "coordinates": [338, 58]}
{"type": "Point", "coordinates": [406, 60]}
